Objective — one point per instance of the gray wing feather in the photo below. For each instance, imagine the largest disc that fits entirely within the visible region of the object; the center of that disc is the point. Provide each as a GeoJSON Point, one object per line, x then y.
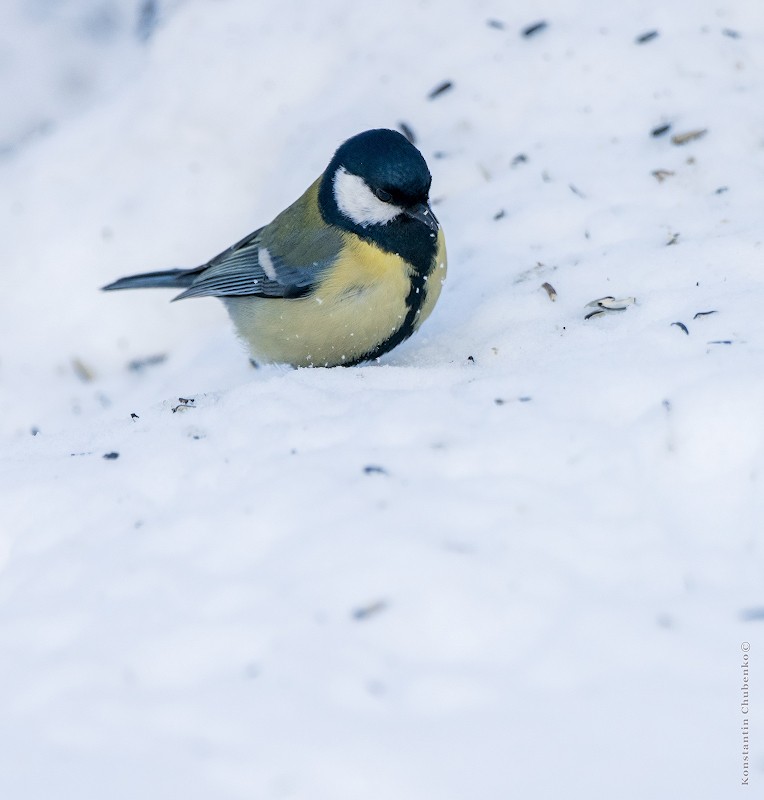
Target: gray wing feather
{"type": "Point", "coordinates": [235, 271]}
{"type": "Point", "coordinates": [301, 247]}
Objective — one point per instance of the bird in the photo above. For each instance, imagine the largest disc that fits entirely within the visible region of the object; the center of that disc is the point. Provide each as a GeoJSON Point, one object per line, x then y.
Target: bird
{"type": "Point", "coordinates": [343, 275]}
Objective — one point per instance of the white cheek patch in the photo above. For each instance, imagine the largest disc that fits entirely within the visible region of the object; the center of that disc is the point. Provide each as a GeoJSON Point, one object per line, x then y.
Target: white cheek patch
{"type": "Point", "coordinates": [357, 201]}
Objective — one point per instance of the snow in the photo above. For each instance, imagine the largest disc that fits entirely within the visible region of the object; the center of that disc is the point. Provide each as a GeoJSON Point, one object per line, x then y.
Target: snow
{"type": "Point", "coordinates": [517, 558]}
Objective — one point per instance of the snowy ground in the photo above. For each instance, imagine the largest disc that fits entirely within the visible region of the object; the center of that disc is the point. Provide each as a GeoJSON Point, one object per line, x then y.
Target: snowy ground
{"type": "Point", "coordinates": [542, 586]}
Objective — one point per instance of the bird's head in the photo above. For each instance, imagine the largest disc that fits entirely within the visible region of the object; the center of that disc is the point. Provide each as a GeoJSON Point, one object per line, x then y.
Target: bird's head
{"type": "Point", "coordinates": [376, 178]}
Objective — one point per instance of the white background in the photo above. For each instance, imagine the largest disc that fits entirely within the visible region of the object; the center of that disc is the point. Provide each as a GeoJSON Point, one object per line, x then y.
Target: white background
{"type": "Point", "coordinates": [553, 588]}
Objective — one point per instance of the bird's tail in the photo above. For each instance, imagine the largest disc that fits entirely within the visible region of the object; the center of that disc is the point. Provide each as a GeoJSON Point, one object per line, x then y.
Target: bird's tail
{"type": "Point", "coordinates": [167, 279]}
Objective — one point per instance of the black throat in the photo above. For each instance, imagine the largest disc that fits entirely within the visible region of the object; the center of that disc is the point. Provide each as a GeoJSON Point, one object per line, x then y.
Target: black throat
{"type": "Point", "coordinates": [413, 241]}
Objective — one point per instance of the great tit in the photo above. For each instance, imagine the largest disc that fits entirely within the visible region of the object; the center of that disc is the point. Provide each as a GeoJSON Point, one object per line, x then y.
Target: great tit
{"type": "Point", "coordinates": [343, 275]}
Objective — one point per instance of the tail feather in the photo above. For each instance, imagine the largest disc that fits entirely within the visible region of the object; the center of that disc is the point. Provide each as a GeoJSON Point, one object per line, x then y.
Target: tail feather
{"type": "Point", "coordinates": [166, 279]}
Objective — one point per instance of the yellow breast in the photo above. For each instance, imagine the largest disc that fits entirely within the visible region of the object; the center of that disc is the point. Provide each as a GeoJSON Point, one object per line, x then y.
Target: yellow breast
{"type": "Point", "coordinates": [359, 304]}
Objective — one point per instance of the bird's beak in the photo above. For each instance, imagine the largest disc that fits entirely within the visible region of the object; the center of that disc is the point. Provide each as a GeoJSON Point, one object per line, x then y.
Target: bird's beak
{"type": "Point", "coordinates": [422, 213]}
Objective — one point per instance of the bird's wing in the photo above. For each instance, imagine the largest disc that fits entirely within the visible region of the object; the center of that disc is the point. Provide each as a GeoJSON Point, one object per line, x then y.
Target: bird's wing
{"type": "Point", "coordinates": [284, 259]}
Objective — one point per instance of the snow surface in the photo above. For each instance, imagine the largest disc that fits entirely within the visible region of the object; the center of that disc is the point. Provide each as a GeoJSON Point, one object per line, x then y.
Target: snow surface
{"type": "Point", "coordinates": [517, 558]}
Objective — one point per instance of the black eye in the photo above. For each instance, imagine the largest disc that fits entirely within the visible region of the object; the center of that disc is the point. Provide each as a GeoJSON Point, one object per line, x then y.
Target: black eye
{"type": "Point", "coordinates": [384, 196]}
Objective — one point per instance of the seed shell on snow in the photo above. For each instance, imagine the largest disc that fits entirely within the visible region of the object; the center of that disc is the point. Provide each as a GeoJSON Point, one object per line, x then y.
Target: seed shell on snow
{"type": "Point", "coordinates": [184, 402]}
{"type": "Point", "coordinates": [688, 136]}
{"type": "Point", "coordinates": [603, 305]}
{"type": "Point", "coordinates": [374, 469]}
{"type": "Point", "coordinates": [440, 89]}
{"type": "Point", "coordinates": [612, 304]}
{"type": "Point", "coordinates": [139, 364]}
{"type": "Point", "coordinates": [644, 38]}
{"type": "Point", "coordinates": [535, 28]}
{"type": "Point", "coordinates": [364, 612]}
{"type": "Point", "coordinates": [662, 174]}
{"type": "Point", "coordinates": [82, 370]}
{"type": "Point", "coordinates": [550, 290]}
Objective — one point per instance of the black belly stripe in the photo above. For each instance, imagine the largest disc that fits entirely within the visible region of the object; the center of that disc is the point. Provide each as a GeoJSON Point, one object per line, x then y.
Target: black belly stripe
{"type": "Point", "coordinates": [414, 302]}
